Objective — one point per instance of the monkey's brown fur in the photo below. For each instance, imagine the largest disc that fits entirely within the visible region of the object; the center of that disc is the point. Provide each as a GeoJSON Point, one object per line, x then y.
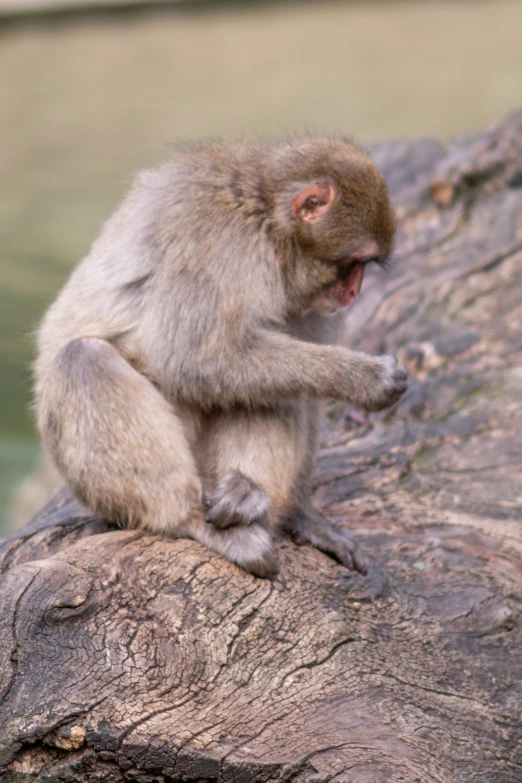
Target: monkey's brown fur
{"type": "Point", "coordinates": [179, 369]}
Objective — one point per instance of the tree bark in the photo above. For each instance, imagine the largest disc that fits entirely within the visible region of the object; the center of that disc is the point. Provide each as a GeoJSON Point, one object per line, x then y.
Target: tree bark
{"type": "Point", "coordinates": [127, 657]}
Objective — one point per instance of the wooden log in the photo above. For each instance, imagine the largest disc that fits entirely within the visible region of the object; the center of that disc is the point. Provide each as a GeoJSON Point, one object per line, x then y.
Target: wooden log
{"type": "Point", "coordinates": [127, 657]}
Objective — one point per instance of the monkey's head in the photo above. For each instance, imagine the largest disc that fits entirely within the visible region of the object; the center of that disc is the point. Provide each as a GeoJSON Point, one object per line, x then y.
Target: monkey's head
{"type": "Point", "coordinates": [338, 210]}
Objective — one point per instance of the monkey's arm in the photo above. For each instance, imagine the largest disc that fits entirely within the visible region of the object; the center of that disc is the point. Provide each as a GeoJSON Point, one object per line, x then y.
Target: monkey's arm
{"type": "Point", "coordinates": [273, 367]}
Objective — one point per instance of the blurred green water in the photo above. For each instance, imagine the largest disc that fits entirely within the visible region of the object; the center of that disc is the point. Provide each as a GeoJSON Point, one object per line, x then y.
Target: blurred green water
{"type": "Point", "coordinates": [85, 101]}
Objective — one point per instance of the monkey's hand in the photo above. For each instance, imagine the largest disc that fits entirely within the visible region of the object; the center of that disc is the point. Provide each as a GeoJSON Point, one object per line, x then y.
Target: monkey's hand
{"type": "Point", "coordinates": [383, 381]}
{"type": "Point", "coordinates": [308, 526]}
{"type": "Point", "coordinates": [236, 501]}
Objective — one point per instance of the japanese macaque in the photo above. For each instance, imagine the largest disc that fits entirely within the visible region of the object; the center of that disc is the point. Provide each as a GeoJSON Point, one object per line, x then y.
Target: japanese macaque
{"type": "Point", "coordinates": [179, 371]}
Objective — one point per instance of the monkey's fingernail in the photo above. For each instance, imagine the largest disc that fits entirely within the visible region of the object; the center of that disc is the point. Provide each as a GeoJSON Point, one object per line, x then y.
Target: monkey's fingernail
{"type": "Point", "coordinates": [207, 518]}
{"type": "Point", "coordinates": [361, 565]}
{"type": "Point", "coordinates": [208, 503]}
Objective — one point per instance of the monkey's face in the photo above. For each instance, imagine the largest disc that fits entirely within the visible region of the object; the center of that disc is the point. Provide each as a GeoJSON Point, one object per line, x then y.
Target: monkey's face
{"type": "Point", "coordinates": [343, 291]}
{"type": "Point", "coordinates": [341, 225]}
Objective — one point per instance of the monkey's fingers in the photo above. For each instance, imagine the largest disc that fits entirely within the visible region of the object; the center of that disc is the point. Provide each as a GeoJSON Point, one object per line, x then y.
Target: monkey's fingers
{"type": "Point", "coordinates": [389, 384]}
{"type": "Point", "coordinates": [360, 561]}
{"type": "Point", "coordinates": [207, 500]}
{"type": "Point", "coordinates": [236, 501]}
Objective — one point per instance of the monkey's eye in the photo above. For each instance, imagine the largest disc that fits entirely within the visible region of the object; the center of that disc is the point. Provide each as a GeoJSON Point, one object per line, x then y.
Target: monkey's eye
{"type": "Point", "coordinates": [382, 261]}
{"type": "Point", "coordinates": [345, 267]}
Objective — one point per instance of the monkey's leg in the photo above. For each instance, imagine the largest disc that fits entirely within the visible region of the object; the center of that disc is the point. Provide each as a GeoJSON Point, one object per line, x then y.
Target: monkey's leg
{"type": "Point", "coordinates": [307, 525]}
{"type": "Point", "coordinates": [260, 466]}
{"type": "Point", "coordinates": [124, 453]}
{"type": "Point", "coordinates": [117, 442]}
{"type": "Point", "coordinates": [250, 463]}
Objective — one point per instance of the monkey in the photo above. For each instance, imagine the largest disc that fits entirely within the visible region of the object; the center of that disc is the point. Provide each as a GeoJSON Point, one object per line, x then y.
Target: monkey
{"type": "Point", "coordinates": [179, 372]}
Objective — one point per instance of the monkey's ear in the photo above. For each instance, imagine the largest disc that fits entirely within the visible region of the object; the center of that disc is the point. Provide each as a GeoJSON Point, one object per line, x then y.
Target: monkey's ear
{"type": "Point", "coordinates": [313, 201]}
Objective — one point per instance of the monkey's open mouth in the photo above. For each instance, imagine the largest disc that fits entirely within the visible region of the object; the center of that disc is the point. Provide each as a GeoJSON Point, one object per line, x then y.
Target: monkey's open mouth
{"type": "Point", "coordinates": [344, 271]}
{"type": "Point", "coordinates": [344, 290]}
{"type": "Point", "coordinates": [348, 285]}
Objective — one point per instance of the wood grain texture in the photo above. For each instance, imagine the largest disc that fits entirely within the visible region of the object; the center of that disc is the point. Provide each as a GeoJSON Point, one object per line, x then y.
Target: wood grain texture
{"type": "Point", "coordinates": [125, 657]}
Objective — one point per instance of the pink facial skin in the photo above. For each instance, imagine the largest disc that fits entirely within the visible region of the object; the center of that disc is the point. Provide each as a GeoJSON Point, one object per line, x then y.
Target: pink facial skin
{"type": "Point", "coordinates": [346, 289]}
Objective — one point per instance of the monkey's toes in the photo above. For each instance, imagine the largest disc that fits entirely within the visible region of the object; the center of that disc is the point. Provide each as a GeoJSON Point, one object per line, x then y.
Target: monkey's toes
{"type": "Point", "coordinates": [353, 557]}
{"type": "Point", "coordinates": [344, 549]}
{"type": "Point", "coordinates": [236, 501]}
{"type": "Point", "coordinates": [319, 532]}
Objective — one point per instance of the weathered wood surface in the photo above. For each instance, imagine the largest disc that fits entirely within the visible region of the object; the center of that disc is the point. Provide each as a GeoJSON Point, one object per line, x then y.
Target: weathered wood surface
{"type": "Point", "coordinates": [128, 657]}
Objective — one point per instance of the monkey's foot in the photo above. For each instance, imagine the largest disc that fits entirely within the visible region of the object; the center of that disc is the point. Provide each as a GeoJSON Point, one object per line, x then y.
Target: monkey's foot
{"type": "Point", "coordinates": [308, 526]}
{"type": "Point", "coordinates": [236, 501]}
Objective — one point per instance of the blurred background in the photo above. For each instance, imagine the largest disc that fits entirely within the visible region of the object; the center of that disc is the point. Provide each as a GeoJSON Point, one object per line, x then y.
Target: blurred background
{"type": "Point", "coordinates": [89, 93]}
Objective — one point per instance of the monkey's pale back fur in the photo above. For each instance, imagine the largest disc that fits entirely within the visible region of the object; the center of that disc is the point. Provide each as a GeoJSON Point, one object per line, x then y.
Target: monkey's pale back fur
{"type": "Point", "coordinates": [170, 381]}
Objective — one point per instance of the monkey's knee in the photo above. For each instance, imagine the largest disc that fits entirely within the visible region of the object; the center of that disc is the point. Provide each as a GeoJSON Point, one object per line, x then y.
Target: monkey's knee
{"type": "Point", "coordinates": [237, 500]}
{"type": "Point", "coordinates": [116, 440]}
{"type": "Point", "coordinates": [85, 346]}
{"type": "Point", "coordinates": [256, 459]}
{"type": "Point", "coordinates": [83, 376]}
{"type": "Point", "coordinates": [85, 358]}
